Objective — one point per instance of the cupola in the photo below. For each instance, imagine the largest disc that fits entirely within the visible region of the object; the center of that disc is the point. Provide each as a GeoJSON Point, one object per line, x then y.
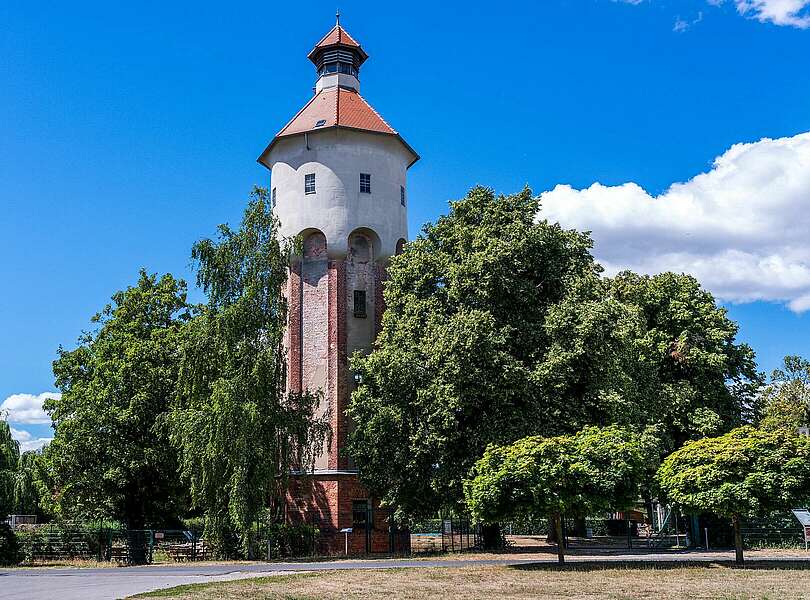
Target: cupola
{"type": "Point", "coordinates": [337, 59]}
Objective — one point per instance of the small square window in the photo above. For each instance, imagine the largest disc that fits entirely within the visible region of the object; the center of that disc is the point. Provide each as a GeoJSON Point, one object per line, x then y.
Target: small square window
{"type": "Point", "coordinates": [273, 199]}
{"type": "Point", "coordinates": [365, 183]}
{"type": "Point", "coordinates": [402, 195]}
{"type": "Point", "coordinates": [362, 515]}
{"type": "Point", "coordinates": [309, 183]}
{"type": "Point", "coordinates": [360, 304]}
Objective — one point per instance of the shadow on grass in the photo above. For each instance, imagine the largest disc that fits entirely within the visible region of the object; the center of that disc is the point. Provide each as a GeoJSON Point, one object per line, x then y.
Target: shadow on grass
{"type": "Point", "coordinates": [663, 565]}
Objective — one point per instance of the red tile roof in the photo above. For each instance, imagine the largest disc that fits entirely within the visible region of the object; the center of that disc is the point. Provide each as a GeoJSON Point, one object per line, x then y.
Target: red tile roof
{"type": "Point", "coordinates": [337, 107]}
{"type": "Point", "coordinates": [337, 35]}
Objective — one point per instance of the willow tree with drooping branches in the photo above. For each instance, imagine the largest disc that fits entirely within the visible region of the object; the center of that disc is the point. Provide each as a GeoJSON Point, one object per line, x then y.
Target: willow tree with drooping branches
{"type": "Point", "coordinates": [237, 430]}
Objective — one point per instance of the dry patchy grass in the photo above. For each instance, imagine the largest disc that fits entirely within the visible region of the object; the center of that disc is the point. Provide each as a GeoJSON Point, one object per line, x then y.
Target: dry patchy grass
{"type": "Point", "coordinates": [67, 563]}
{"type": "Point", "coordinates": [576, 582]}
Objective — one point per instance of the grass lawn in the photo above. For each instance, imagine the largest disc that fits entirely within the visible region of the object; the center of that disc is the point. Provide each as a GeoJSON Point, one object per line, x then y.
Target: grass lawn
{"type": "Point", "coordinates": [668, 581]}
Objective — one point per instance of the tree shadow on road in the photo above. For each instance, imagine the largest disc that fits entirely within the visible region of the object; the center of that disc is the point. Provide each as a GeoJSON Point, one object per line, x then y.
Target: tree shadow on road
{"type": "Point", "coordinates": [600, 565]}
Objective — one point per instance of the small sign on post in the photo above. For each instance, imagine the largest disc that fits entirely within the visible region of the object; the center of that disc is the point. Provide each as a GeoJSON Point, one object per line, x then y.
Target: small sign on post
{"type": "Point", "coordinates": [803, 516]}
{"type": "Point", "coordinates": [346, 533]}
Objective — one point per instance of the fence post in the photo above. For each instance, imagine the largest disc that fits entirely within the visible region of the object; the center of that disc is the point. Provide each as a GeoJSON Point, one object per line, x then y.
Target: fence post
{"type": "Point", "coordinates": [629, 532]}
{"type": "Point", "coordinates": [151, 545]}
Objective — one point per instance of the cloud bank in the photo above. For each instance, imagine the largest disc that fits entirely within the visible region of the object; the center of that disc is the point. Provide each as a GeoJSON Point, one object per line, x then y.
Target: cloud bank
{"type": "Point", "coordinates": [26, 408]}
{"type": "Point", "coordinates": [743, 228]}
{"type": "Point", "coordinates": [793, 13]}
{"type": "Point", "coordinates": [27, 441]}
{"type": "Point", "coordinates": [789, 13]}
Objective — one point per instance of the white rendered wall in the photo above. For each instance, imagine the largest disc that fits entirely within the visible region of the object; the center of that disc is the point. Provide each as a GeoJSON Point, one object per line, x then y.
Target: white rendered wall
{"type": "Point", "coordinates": [333, 79]}
{"type": "Point", "coordinates": [337, 157]}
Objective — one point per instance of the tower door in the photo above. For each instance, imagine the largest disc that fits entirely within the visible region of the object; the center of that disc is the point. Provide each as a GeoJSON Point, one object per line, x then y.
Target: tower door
{"type": "Point", "coordinates": [363, 521]}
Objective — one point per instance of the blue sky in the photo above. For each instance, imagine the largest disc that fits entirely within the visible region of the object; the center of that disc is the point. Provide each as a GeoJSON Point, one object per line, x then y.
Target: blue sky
{"type": "Point", "coordinates": [129, 130]}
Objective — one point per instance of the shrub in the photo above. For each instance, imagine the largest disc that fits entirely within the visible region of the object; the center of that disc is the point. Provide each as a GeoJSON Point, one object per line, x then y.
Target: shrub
{"type": "Point", "coordinates": [9, 547]}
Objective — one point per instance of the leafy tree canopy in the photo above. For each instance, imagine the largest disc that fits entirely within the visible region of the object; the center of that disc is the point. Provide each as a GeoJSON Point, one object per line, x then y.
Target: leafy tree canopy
{"type": "Point", "coordinates": [746, 472]}
{"type": "Point", "coordinates": [9, 455]}
{"type": "Point", "coordinates": [107, 459]}
{"type": "Point", "coordinates": [786, 400]}
{"type": "Point", "coordinates": [689, 373]}
{"type": "Point", "coordinates": [497, 326]}
{"type": "Point", "coordinates": [237, 431]}
{"type": "Point", "coordinates": [26, 492]}
{"type": "Point", "coordinates": [591, 471]}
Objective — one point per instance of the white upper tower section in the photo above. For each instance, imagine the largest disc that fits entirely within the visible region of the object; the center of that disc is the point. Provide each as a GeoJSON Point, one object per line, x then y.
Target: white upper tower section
{"type": "Point", "coordinates": [337, 167]}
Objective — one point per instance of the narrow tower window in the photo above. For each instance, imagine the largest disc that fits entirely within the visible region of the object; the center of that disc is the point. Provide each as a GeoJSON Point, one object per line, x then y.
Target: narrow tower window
{"type": "Point", "coordinates": [309, 183]}
{"type": "Point", "coordinates": [273, 199]}
{"type": "Point", "coordinates": [365, 183]}
{"type": "Point", "coordinates": [402, 195]}
{"type": "Point", "coordinates": [360, 304]}
{"type": "Point", "coordinates": [362, 515]}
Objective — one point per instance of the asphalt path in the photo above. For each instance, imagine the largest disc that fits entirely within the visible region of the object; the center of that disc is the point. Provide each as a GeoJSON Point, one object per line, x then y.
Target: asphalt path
{"type": "Point", "coordinates": [113, 583]}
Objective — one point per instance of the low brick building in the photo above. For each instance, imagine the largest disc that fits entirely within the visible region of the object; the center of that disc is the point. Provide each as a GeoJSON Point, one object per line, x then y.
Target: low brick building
{"type": "Point", "coordinates": [338, 180]}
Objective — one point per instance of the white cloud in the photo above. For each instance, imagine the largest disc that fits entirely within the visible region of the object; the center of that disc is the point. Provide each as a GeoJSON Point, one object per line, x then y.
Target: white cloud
{"type": "Point", "coordinates": [20, 435]}
{"type": "Point", "coordinates": [791, 13]}
{"type": "Point", "coordinates": [35, 444]}
{"type": "Point", "coordinates": [794, 13]}
{"type": "Point", "coordinates": [682, 25]}
{"type": "Point", "coordinates": [27, 441]}
{"type": "Point", "coordinates": [26, 408]}
{"type": "Point", "coordinates": [743, 228]}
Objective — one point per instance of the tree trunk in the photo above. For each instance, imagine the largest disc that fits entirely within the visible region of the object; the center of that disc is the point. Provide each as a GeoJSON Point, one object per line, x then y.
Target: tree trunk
{"type": "Point", "coordinates": [560, 540]}
{"type": "Point", "coordinates": [137, 539]}
{"type": "Point", "coordinates": [551, 537]}
{"type": "Point", "coordinates": [491, 536]}
{"type": "Point", "coordinates": [137, 546]}
{"type": "Point", "coordinates": [738, 542]}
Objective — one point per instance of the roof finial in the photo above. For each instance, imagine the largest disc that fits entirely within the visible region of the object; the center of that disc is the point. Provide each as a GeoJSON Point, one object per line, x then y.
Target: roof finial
{"type": "Point", "coordinates": [337, 17]}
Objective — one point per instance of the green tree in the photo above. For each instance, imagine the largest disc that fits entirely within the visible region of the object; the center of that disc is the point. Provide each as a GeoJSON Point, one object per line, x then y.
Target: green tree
{"type": "Point", "coordinates": [237, 430]}
{"type": "Point", "coordinates": [497, 326]}
{"type": "Point", "coordinates": [9, 456]}
{"type": "Point", "coordinates": [26, 494]}
{"type": "Point", "coordinates": [689, 373]}
{"type": "Point", "coordinates": [785, 402]}
{"type": "Point", "coordinates": [107, 458]}
{"type": "Point", "coordinates": [594, 470]}
{"type": "Point", "coordinates": [744, 473]}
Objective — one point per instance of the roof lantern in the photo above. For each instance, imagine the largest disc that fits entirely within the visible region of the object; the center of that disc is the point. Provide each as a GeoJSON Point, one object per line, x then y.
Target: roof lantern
{"type": "Point", "coordinates": [337, 58]}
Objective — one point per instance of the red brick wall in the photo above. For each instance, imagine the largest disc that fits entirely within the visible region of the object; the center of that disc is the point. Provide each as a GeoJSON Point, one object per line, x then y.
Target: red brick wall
{"type": "Point", "coordinates": [315, 326]}
{"type": "Point", "coordinates": [327, 501]}
{"type": "Point", "coordinates": [320, 296]}
{"type": "Point", "coordinates": [294, 328]}
{"type": "Point", "coordinates": [337, 361]}
{"type": "Point", "coordinates": [379, 302]}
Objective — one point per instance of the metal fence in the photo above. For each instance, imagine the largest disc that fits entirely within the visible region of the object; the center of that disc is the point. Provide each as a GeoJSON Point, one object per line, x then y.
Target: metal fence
{"type": "Point", "coordinates": [658, 528]}
{"type": "Point", "coordinates": [445, 534]}
{"type": "Point", "coordinates": [363, 530]}
{"type": "Point", "coordinates": [52, 543]}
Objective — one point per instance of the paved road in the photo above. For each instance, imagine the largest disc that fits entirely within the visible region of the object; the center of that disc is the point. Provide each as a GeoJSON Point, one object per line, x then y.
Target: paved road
{"type": "Point", "coordinates": [113, 583]}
